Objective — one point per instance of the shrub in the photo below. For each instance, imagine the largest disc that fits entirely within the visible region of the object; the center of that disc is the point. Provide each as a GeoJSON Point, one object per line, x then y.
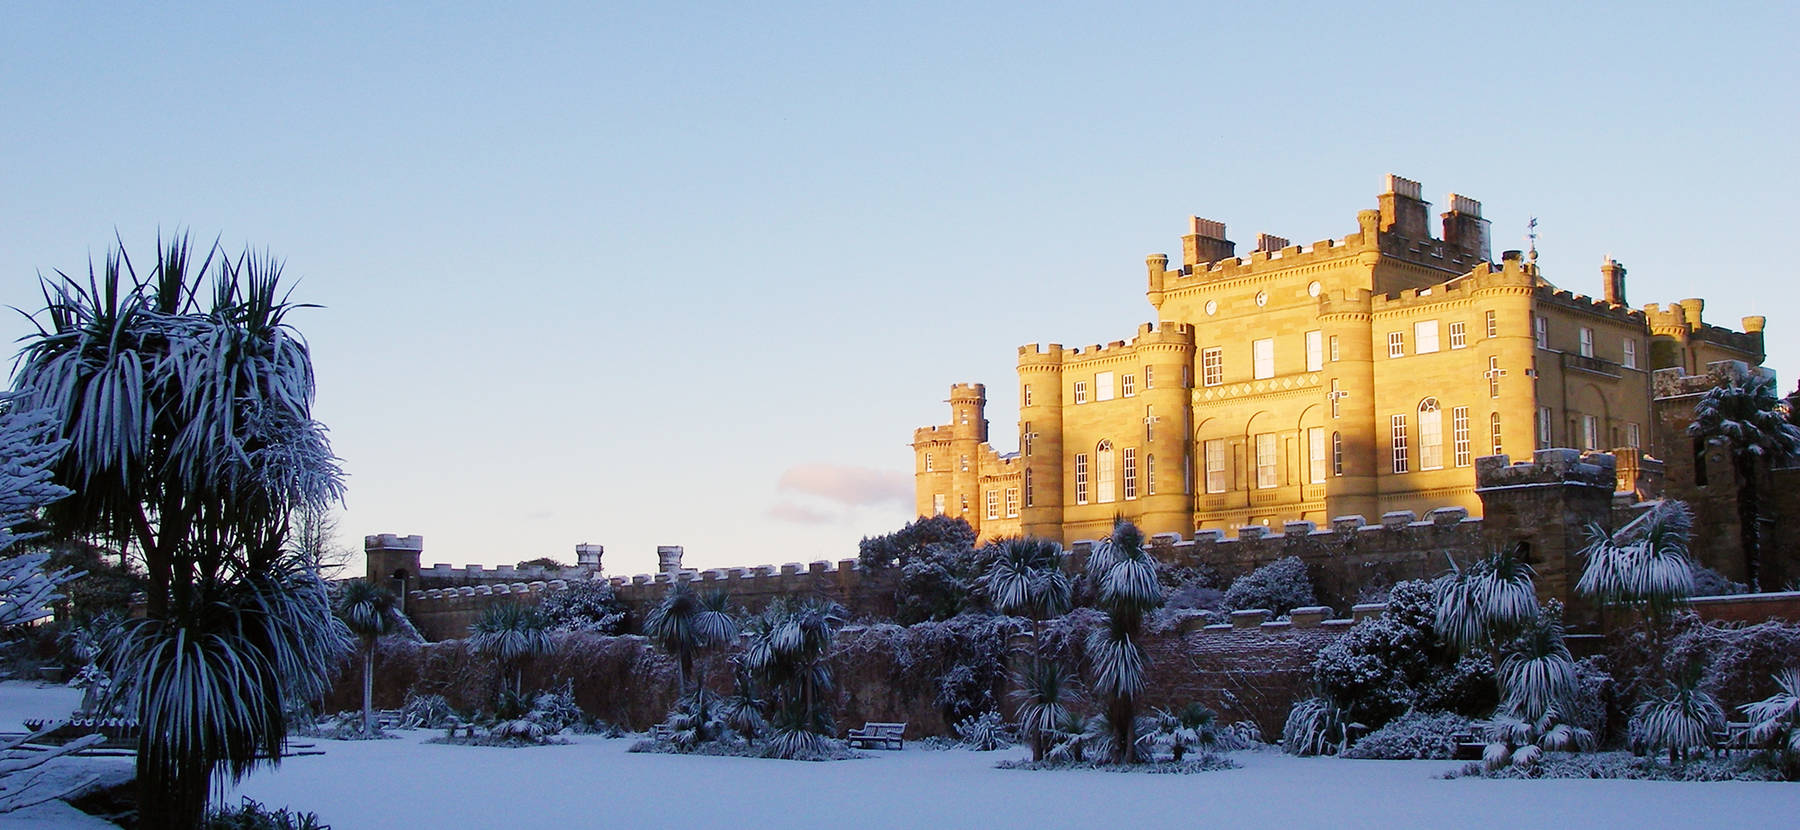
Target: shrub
{"type": "Point", "coordinates": [1414, 735]}
{"type": "Point", "coordinates": [1280, 586]}
{"type": "Point", "coordinates": [252, 815]}
{"type": "Point", "coordinates": [585, 605]}
{"type": "Point", "coordinates": [1379, 665]}
{"type": "Point", "coordinates": [1315, 726]}
{"type": "Point", "coordinates": [984, 732]}
{"type": "Point", "coordinates": [426, 712]}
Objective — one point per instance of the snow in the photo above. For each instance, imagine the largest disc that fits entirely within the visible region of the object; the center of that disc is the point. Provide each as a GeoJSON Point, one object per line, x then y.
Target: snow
{"type": "Point", "coordinates": [595, 782]}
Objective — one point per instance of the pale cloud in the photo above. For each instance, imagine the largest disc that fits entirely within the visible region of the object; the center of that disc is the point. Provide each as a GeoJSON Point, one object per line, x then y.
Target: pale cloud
{"type": "Point", "coordinates": [852, 486]}
{"type": "Point", "coordinates": [788, 511]}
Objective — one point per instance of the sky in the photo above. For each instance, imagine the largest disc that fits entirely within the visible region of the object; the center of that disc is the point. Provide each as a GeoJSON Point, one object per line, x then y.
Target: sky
{"type": "Point", "coordinates": [690, 273]}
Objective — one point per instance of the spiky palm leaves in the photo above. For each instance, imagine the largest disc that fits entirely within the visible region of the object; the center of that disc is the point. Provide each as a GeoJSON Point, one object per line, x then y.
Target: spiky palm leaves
{"type": "Point", "coordinates": [511, 633]}
{"type": "Point", "coordinates": [1026, 578]}
{"type": "Point", "coordinates": [1126, 577]}
{"type": "Point", "coordinates": [1753, 422]}
{"type": "Point", "coordinates": [1193, 727]}
{"type": "Point", "coordinates": [687, 622]}
{"type": "Point", "coordinates": [1645, 564]}
{"type": "Point", "coordinates": [1315, 726]}
{"type": "Point", "coordinates": [786, 653]}
{"type": "Point", "coordinates": [1043, 698]}
{"type": "Point", "coordinates": [1776, 718]}
{"type": "Point", "coordinates": [186, 400]}
{"type": "Point", "coordinates": [368, 611]}
{"type": "Point", "coordinates": [1681, 718]}
{"type": "Point", "coordinates": [1486, 603]}
{"type": "Point", "coordinates": [1537, 689]}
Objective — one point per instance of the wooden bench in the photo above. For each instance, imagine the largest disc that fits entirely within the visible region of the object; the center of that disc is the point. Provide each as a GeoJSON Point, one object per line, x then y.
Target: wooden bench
{"type": "Point", "coordinates": [468, 729]}
{"type": "Point", "coordinates": [662, 732]}
{"type": "Point", "coordinates": [878, 736]}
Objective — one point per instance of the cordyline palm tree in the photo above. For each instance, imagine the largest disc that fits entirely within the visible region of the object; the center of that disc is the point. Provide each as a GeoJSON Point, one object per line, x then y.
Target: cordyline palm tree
{"type": "Point", "coordinates": [186, 400]}
{"type": "Point", "coordinates": [1487, 603]}
{"type": "Point", "coordinates": [1753, 423]}
{"type": "Point", "coordinates": [368, 611]}
{"type": "Point", "coordinates": [687, 622]}
{"type": "Point", "coordinates": [1645, 565]}
{"type": "Point", "coordinates": [1026, 579]}
{"type": "Point", "coordinates": [1537, 691]}
{"type": "Point", "coordinates": [1680, 719]}
{"type": "Point", "coordinates": [1126, 577]}
{"type": "Point", "coordinates": [786, 653]}
{"type": "Point", "coordinates": [511, 633]}
{"type": "Point", "coordinates": [1775, 721]}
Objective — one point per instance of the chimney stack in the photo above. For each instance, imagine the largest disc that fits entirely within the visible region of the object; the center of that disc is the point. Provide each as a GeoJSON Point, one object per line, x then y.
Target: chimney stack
{"type": "Point", "coordinates": [1205, 242]}
{"type": "Point", "coordinates": [1612, 275]}
{"type": "Point", "coordinates": [1464, 229]}
{"type": "Point", "coordinates": [1403, 211]}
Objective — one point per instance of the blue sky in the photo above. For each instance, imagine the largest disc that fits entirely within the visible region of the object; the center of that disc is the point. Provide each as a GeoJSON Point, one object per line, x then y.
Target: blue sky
{"type": "Point", "coordinates": [691, 273]}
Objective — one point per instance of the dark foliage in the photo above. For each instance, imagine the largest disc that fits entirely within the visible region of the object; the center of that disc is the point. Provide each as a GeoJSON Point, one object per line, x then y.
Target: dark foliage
{"type": "Point", "coordinates": [1280, 587]}
{"type": "Point", "coordinates": [938, 564]}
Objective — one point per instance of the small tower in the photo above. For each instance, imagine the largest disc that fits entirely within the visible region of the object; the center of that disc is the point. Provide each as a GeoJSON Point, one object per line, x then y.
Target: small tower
{"type": "Point", "coordinates": [668, 558]}
{"type": "Point", "coordinates": [588, 556]}
{"type": "Point", "coordinates": [393, 561]}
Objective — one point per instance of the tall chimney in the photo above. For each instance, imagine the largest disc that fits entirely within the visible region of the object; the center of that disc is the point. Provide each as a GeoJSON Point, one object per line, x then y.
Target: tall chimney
{"type": "Point", "coordinates": [1205, 242]}
{"type": "Point", "coordinates": [1612, 276]}
{"type": "Point", "coordinates": [1464, 228]}
{"type": "Point", "coordinates": [1403, 211]}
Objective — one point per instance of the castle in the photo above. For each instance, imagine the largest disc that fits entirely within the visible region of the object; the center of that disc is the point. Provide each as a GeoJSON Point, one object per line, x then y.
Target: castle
{"type": "Point", "coordinates": [1355, 376]}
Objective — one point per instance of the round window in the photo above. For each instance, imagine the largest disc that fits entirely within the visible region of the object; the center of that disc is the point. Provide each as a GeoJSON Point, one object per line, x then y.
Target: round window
{"type": "Point", "coordinates": [1312, 289]}
{"type": "Point", "coordinates": [1212, 307]}
{"type": "Point", "coordinates": [1262, 298]}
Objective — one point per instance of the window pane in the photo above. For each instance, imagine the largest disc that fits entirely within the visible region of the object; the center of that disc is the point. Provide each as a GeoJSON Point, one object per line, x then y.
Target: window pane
{"type": "Point", "coordinates": [1103, 386]}
{"type": "Point", "coordinates": [1215, 465]}
{"type": "Point", "coordinates": [1459, 436]}
{"type": "Point", "coordinates": [1263, 353]}
{"type": "Point", "coordinates": [1315, 351]}
{"type": "Point", "coordinates": [1315, 445]}
{"type": "Point", "coordinates": [1397, 426]}
{"type": "Point", "coordinates": [1266, 473]}
{"type": "Point", "coordinates": [1425, 337]}
{"type": "Point", "coordinates": [1212, 367]}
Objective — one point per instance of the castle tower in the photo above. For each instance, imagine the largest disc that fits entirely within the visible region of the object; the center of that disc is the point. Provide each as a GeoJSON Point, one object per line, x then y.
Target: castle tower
{"type": "Point", "coordinates": [393, 561]}
{"type": "Point", "coordinates": [588, 556]}
{"type": "Point", "coordinates": [1351, 439]}
{"type": "Point", "coordinates": [1040, 439]}
{"type": "Point", "coordinates": [1165, 479]}
{"type": "Point", "coordinates": [668, 558]}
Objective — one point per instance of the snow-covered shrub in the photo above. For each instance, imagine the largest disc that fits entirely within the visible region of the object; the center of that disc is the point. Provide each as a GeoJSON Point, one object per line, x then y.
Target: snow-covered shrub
{"type": "Point", "coordinates": [1466, 687]}
{"type": "Point", "coordinates": [1382, 665]}
{"type": "Point", "coordinates": [1414, 735]}
{"type": "Point", "coordinates": [426, 712]}
{"type": "Point", "coordinates": [1711, 583]}
{"type": "Point", "coordinates": [1775, 723]}
{"type": "Point", "coordinates": [1679, 718]}
{"type": "Point", "coordinates": [556, 708]}
{"type": "Point", "coordinates": [1243, 734]}
{"type": "Point", "coordinates": [984, 732]}
{"type": "Point", "coordinates": [1737, 662]}
{"type": "Point", "coordinates": [1193, 728]}
{"type": "Point", "coordinates": [1187, 587]}
{"type": "Point", "coordinates": [1280, 586]}
{"type": "Point", "coordinates": [1315, 726]}
{"type": "Point", "coordinates": [960, 662]}
{"type": "Point", "coordinates": [938, 566]}
{"type": "Point", "coordinates": [585, 605]}
{"type": "Point", "coordinates": [1624, 765]}
{"type": "Point", "coordinates": [342, 726]}
{"type": "Point", "coordinates": [252, 815]}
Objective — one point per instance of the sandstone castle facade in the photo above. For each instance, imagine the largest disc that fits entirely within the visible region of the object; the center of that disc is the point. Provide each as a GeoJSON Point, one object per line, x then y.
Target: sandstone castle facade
{"type": "Point", "coordinates": [1356, 376]}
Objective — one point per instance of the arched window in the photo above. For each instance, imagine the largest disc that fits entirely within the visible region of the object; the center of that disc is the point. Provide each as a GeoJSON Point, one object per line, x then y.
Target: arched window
{"type": "Point", "coordinates": [1494, 430]}
{"type": "Point", "coordinates": [1106, 479]}
{"type": "Point", "coordinates": [1150, 474]}
{"type": "Point", "coordinates": [1431, 435]}
{"type": "Point", "coordinates": [1029, 495]}
{"type": "Point", "coordinates": [1337, 453]}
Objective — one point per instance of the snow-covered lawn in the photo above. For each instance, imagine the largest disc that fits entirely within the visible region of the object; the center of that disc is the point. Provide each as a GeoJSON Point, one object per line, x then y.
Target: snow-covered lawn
{"type": "Point", "coordinates": [594, 782]}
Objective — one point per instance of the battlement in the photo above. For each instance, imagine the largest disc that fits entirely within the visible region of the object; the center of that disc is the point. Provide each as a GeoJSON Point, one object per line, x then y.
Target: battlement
{"type": "Point", "coordinates": [1590, 305]}
{"type": "Point", "coordinates": [1676, 382]}
{"type": "Point", "coordinates": [968, 391]}
{"type": "Point", "coordinates": [1042, 356]}
{"type": "Point", "coordinates": [444, 574]}
{"type": "Point", "coordinates": [393, 542]}
{"type": "Point", "coordinates": [1547, 467]}
{"type": "Point", "coordinates": [935, 434]}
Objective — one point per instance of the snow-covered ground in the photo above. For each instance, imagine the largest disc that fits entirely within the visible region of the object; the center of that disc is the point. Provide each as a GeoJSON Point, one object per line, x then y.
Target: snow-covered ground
{"type": "Point", "coordinates": [595, 782]}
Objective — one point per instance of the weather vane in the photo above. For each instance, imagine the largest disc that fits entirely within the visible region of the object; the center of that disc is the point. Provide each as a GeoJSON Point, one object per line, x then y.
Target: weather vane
{"type": "Point", "coordinates": [1531, 234]}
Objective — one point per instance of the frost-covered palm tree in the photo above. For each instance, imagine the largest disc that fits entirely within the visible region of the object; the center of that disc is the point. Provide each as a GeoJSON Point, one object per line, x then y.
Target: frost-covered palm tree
{"type": "Point", "coordinates": [786, 653]}
{"type": "Point", "coordinates": [1126, 577]}
{"type": "Point", "coordinates": [1753, 423]}
{"type": "Point", "coordinates": [511, 633]}
{"type": "Point", "coordinates": [1026, 579]}
{"type": "Point", "coordinates": [368, 611]}
{"type": "Point", "coordinates": [687, 622]}
{"type": "Point", "coordinates": [1680, 719]}
{"type": "Point", "coordinates": [186, 400]}
{"type": "Point", "coordinates": [1775, 720]}
{"type": "Point", "coordinates": [1645, 565]}
{"type": "Point", "coordinates": [1484, 604]}
{"type": "Point", "coordinates": [1537, 690]}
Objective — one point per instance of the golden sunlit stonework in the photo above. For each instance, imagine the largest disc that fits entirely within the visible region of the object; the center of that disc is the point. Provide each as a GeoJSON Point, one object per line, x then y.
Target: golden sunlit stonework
{"type": "Point", "coordinates": [1359, 375]}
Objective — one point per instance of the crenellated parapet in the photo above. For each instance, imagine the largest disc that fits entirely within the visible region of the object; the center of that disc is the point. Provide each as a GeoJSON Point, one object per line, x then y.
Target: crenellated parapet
{"type": "Point", "coordinates": [1547, 467]}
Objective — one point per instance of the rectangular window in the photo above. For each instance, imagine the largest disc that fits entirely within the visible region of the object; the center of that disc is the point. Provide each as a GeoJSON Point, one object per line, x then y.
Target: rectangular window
{"type": "Point", "coordinates": [1494, 432]}
{"type": "Point", "coordinates": [1150, 474]}
{"type": "Point", "coordinates": [1081, 482]}
{"type": "Point", "coordinates": [1632, 437]}
{"type": "Point", "coordinates": [1396, 344]}
{"type": "Point", "coordinates": [1630, 353]}
{"type": "Point", "coordinates": [964, 498]}
{"type": "Point", "coordinates": [1587, 342]}
{"type": "Point", "coordinates": [1459, 335]}
{"type": "Point", "coordinates": [1103, 386]}
{"type": "Point", "coordinates": [1262, 353]}
{"type": "Point", "coordinates": [1149, 377]}
{"type": "Point", "coordinates": [937, 503]}
{"type": "Point", "coordinates": [1025, 436]}
{"type": "Point", "coordinates": [1337, 453]}
{"type": "Point", "coordinates": [1493, 325]}
{"type": "Point", "coordinates": [1336, 395]}
{"type": "Point", "coordinates": [1106, 487]}
{"type": "Point", "coordinates": [1541, 330]}
{"type": "Point", "coordinates": [1130, 473]}
{"type": "Point", "coordinates": [965, 463]}
{"type": "Point", "coordinates": [1212, 367]}
{"type": "Point", "coordinates": [1026, 394]}
{"type": "Point", "coordinates": [1081, 391]}
{"type": "Point", "coordinates": [1029, 495]}
{"type": "Point", "coordinates": [928, 462]}
{"type": "Point", "coordinates": [1463, 451]}
{"type": "Point", "coordinates": [1215, 465]}
{"type": "Point", "coordinates": [1149, 424]}
{"type": "Point", "coordinates": [1590, 432]}
{"type": "Point", "coordinates": [1398, 430]}
{"type": "Point", "coordinates": [1493, 377]}
{"type": "Point", "coordinates": [1431, 436]}
{"type": "Point", "coordinates": [1334, 348]}
{"type": "Point", "coordinates": [1543, 428]}
{"type": "Point", "coordinates": [1425, 337]}
{"type": "Point", "coordinates": [993, 504]}
{"type": "Point", "coordinates": [1266, 463]}
{"type": "Point", "coordinates": [1128, 386]}
{"type": "Point", "coordinates": [1315, 351]}
{"type": "Point", "coordinates": [1012, 502]}
{"type": "Point", "coordinates": [1315, 451]}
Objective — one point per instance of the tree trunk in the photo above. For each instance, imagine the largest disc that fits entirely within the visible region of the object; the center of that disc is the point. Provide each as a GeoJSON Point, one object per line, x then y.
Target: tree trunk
{"type": "Point", "coordinates": [171, 792]}
{"type": "Point", "coordinates": [369, 688]}
{"type": "Point", "coordinates": [1749, 530]}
